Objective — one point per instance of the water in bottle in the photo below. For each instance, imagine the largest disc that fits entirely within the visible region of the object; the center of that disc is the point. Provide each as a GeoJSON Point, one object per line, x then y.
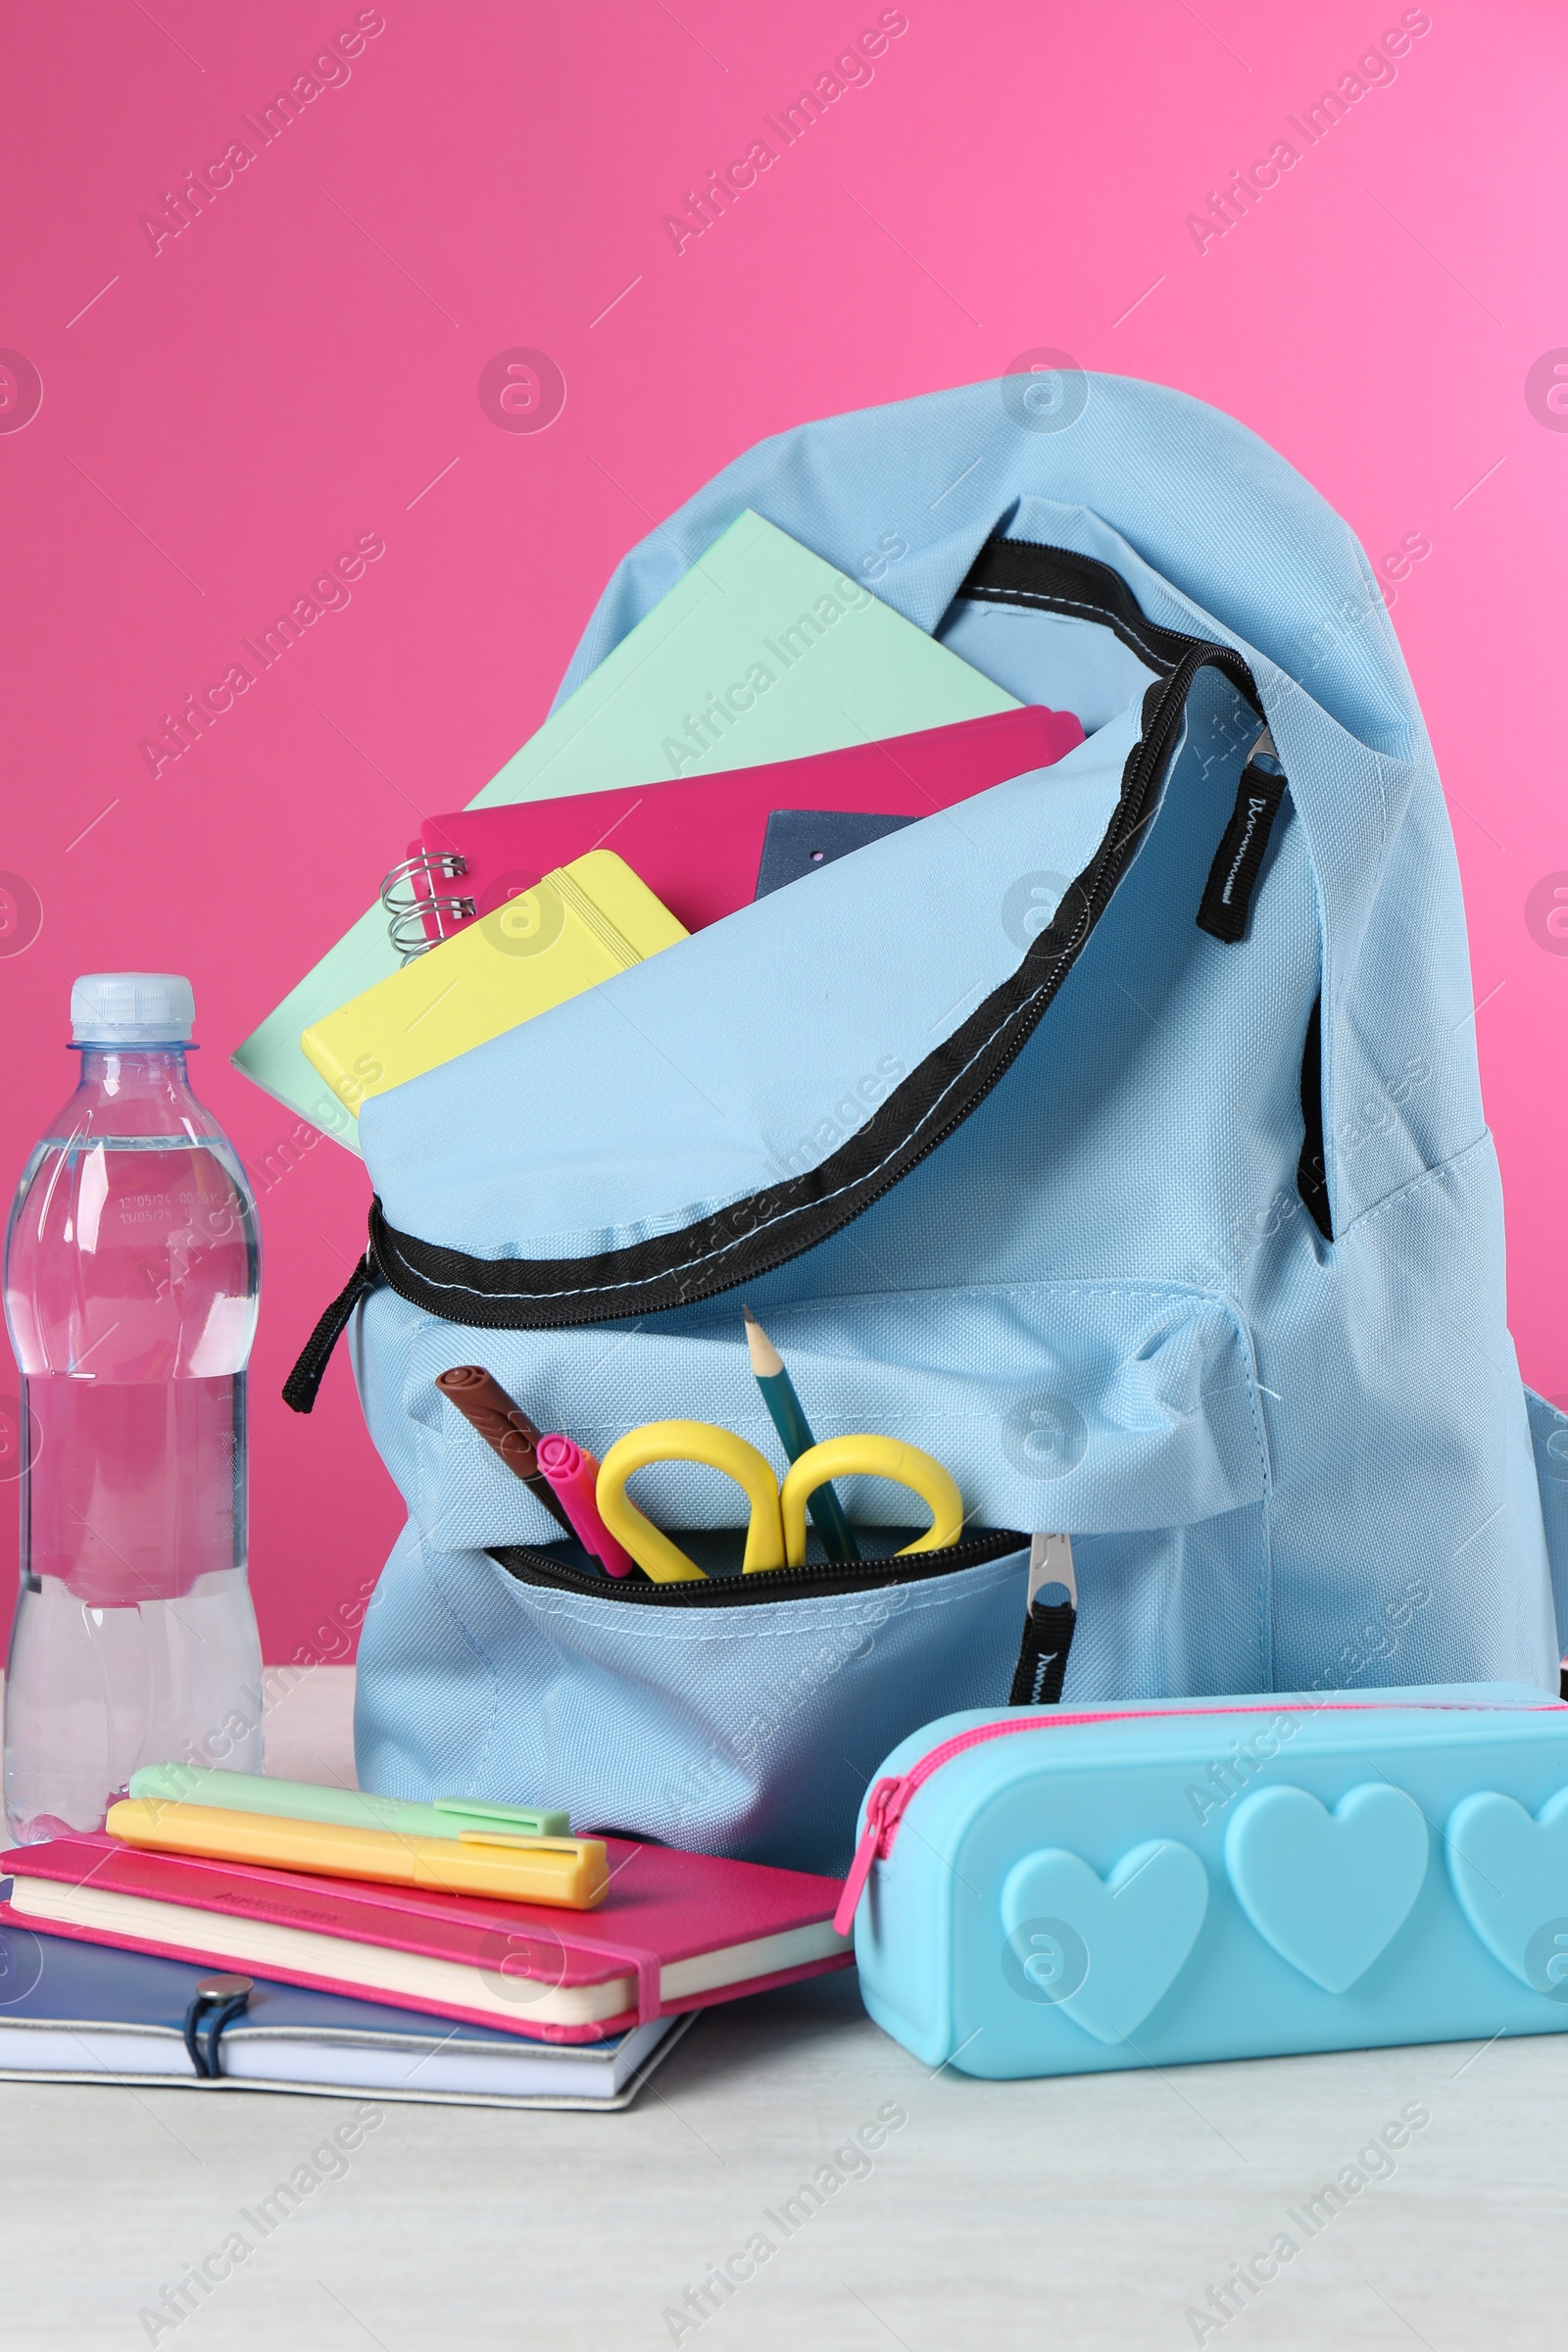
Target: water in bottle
{"type": "Point", "coordinates": [131, 1270]}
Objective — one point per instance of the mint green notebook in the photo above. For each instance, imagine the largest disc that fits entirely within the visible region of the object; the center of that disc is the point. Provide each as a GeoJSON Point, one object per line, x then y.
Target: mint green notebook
{"type": "Point", "coordinates": [761, 652]}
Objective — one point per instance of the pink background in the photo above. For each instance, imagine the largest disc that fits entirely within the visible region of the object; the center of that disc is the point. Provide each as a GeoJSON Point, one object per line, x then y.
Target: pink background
{"type": "Point", "coordinates": [221, 417]}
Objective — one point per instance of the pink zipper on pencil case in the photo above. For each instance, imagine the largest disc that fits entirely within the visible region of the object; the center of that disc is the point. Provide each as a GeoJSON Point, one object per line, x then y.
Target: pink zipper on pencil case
{"type": "Point", "coordinates": [889, 1800]}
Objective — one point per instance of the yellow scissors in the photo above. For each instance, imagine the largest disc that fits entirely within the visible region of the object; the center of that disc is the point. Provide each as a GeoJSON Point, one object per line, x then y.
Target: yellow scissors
{"type": "Point", "coordinates": [776, 1535]}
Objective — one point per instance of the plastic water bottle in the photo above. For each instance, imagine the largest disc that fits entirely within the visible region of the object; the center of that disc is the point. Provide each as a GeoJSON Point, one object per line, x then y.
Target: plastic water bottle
{"type": "Point", "coordinates": [131, 1270]}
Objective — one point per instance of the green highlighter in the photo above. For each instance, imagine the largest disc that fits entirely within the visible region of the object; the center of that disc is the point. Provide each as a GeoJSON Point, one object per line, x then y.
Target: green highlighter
{"type": "Point", "coordinates": [354, 1808]}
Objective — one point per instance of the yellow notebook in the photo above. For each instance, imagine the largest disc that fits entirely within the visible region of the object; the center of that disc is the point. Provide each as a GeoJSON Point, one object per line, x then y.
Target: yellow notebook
{"type": "Point", "coordinates": [578, 926]}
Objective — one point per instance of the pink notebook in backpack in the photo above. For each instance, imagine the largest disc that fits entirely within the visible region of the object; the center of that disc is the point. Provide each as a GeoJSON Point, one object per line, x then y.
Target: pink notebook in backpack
{"type": "Point", "coordinates": [696, 841]}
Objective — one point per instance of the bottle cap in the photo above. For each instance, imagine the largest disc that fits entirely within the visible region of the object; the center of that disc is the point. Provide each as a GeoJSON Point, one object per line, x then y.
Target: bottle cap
{"type": "Point", "coordinates": [131, 1008]}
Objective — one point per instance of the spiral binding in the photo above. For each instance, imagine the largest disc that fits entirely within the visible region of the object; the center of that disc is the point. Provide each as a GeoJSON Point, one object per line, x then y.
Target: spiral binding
{"type": "Point", "coordinates": [406, 929]}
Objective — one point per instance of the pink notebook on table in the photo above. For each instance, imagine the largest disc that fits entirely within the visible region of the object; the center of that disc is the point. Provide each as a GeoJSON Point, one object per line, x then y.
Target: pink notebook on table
{"type": "Point", "coordinates": [676, 1931]}
{"type": "Point", "coordinates": [695, 842]}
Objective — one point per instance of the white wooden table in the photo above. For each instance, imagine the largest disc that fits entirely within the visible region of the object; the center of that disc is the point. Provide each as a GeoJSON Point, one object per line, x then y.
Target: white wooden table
{"type": "Point", "coordinates": [1093, 2213]}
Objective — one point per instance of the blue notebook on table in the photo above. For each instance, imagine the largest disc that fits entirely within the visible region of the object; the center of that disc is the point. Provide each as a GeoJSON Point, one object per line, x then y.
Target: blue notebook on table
{"type": "Point", "coordinates": [72, 2012]}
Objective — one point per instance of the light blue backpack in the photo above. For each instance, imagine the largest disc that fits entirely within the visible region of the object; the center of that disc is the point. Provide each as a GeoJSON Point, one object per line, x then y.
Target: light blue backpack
{"type": "Point", "coordinates": [1179, 1230]}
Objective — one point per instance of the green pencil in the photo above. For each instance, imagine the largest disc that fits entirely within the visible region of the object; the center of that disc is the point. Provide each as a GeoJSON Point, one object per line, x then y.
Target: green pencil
{"type": "Point", "coordinates": [795, 1432]}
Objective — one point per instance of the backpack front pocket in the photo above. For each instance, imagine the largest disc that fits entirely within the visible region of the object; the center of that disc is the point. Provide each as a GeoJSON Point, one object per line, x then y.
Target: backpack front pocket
{"type": "Point", "coordinates": [743, 1725]}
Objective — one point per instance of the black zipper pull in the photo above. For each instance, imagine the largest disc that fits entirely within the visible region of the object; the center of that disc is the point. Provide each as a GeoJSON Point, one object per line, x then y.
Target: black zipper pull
{"type": "Point", "coordinates": [300, 1388]}
{"type": "Point", "coordinates": [1238, 860]}
{"type": "Point", "coordinates": [1050, 1620]}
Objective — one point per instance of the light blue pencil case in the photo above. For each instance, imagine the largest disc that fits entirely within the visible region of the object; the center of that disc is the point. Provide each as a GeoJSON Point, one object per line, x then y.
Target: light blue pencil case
{"type": "Point", "coordinates": [1048, 1893]}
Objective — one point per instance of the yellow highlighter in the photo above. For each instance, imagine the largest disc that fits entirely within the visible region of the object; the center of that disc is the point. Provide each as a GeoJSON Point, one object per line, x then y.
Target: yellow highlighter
{"type": "Point", "coordinates": [567, 1871]}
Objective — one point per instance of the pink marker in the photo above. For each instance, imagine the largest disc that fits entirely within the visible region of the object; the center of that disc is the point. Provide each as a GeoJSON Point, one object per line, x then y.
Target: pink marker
{"type": "Point", "coordinates": [574, 1476]}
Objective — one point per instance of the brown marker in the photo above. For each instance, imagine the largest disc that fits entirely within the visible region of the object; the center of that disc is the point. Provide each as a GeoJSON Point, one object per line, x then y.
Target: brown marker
{"type": "Point", "coordinates": [504, 1427]}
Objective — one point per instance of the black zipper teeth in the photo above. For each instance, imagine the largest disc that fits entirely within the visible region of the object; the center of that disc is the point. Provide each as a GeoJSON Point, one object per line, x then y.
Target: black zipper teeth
{"type": "Point", "coordinates": [531, 1567]}
{"type": "Point", "coordinates": [1152, 750]}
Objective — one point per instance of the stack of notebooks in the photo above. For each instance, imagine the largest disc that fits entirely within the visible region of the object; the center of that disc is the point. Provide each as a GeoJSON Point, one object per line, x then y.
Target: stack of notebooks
{"type": "Point", "coordinates": [372, 1966]}
{"type": "Point", "coordinates": [89, 2014]}
{"type": "Point", "coordinates": [767, 715]}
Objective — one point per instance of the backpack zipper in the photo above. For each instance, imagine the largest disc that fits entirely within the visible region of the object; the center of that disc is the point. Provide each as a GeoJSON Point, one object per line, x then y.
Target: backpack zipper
{"type": "Point", "coordinates": [435, 1278]}
{"type": "Point", "coordinates": [891, 1796]}
{"type": "Point", "coordinates": [817, 1577]}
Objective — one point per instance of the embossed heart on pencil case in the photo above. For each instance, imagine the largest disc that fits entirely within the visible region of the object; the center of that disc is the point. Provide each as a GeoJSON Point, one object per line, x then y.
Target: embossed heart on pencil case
{"type": "Point", "coordinates": [1327, 1890]}
{"type": "Point", "coordinates": [1510, 1871]}
{"type": "Point", "coordinates": [1126, 1934]}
